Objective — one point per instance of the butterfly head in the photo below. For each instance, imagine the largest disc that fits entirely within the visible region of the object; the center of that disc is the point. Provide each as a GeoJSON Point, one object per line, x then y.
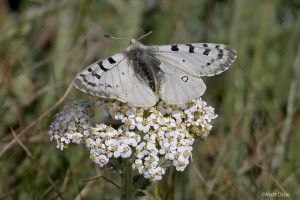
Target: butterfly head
{"type": "Point", "coordinates": [133, 41]}
{"type": "Point", "coordinates": [135, 44]}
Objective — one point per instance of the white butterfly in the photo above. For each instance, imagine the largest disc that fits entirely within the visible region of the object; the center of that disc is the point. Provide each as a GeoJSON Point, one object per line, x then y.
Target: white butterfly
{"type": "Point", "coordinates": [142, 74]}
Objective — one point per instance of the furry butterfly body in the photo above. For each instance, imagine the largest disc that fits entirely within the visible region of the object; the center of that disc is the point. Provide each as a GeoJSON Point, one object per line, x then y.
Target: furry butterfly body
{"type": "Point", "coordinates": [142, 74]}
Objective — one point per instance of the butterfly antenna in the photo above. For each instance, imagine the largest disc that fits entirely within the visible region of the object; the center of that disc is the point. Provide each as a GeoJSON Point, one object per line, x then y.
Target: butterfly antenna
{"type": "Point", "coordinates": [144, 35]}
{"type": "Point", "coordinates": [116, 38]}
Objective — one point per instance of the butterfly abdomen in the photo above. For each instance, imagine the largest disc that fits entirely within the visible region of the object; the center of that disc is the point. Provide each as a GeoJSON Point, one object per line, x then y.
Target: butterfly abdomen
{"type": "Point", "coordinates": [146, 67]}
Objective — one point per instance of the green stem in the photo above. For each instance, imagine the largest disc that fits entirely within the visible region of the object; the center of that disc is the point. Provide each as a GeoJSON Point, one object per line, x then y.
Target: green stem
{"type": "Point", "coordinates": [127, 181]}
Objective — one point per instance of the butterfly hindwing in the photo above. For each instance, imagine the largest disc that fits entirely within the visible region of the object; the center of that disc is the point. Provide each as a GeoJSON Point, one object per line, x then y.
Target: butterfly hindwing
{"type": "Point", "coordinates": [178, 87]}
{"type": "Point", "coordinates": [134, 91]}
{"type": "Point", "coordinates": [198, 59]}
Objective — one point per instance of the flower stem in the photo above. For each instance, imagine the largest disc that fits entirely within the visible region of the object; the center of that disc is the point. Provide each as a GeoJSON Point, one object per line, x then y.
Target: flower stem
{"type": "Point", "coordinates": [127, 180]}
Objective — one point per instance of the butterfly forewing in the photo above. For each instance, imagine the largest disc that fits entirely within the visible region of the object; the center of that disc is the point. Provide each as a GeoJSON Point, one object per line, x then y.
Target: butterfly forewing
{"type": "Point", "coordinates": [198, 59]}
{"type": "Point", "coordinates": [113, 77]}
{"type": "Point", "coordinates": [96, 79]}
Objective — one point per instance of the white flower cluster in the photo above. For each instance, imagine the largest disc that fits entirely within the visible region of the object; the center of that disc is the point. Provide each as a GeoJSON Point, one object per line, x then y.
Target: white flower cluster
{"type": "Point", "coordinates": [154, 138]}
{"type": "Point", "coordinates": [70, 123]}
{"type": "Point", "coordinates": [105, 142]}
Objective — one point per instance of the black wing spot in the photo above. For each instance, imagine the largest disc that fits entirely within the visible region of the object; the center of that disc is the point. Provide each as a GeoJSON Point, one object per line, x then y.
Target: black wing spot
{"type": "Point", "coordinates": [123, 73]}
{"type": "Point", "coordinates": [185, 78]}
{"type": "Point", "coordinates": [183, 60]}
{"type": "Point", "coordinates": [109, 86]}
{"type": "Point", "coordinates": [92, 84]}
{"type": "Point", "coordinates": [83, 76]}
{"type": "Point", "coordinates": [87, 82]}
{"type": "Point", "coordinates": [100, 64]}
{"type": "Point", "coordinates": [111, 60]}
{"type": "Point", "coordinates": [191, 48]}
{"type": "Point", "coordinates": [208, 63]}
{"type": "Point", "coordinates": [174, 47]}
{"type": "Point", "coordinates": [89, 69]}
{"type": "Point", "coordinates": [97, 76]}
{"type": "Point", "coordinates": [206, 52]}
{"type": "Point", "coordinates": [221, 53]}
{"type": "Point", "coordinates": [205, 45]}
{"type": "Point", "coordinates": [217, 46]}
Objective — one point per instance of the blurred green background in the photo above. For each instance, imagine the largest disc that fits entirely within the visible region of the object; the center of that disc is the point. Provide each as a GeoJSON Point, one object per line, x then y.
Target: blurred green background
{"type": "Point", "coordinates": [255, 143]}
